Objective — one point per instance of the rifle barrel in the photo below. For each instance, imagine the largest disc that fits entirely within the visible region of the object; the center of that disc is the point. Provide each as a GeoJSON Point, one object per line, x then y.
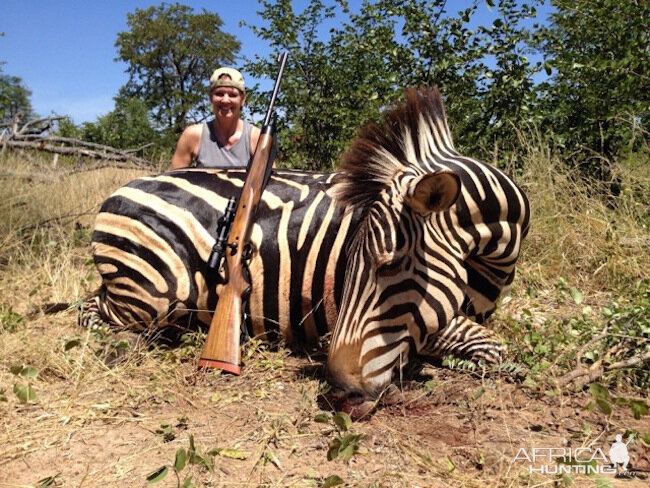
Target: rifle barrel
{"type": "Point", "coordinates": [276, 88]}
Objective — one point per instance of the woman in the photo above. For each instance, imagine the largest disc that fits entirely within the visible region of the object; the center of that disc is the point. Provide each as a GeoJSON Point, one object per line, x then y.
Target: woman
{"type": "Point", "coordinates": [226, 140]}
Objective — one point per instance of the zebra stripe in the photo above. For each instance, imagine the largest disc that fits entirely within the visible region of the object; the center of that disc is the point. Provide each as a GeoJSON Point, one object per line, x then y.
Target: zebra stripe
{"type": "Point", "coordinates": [403, 253]}
{"type": "Point", "coordinates": [461, 251]}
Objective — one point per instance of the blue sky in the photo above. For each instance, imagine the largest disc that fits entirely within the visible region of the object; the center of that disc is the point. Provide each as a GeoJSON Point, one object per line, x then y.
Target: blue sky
{"type": "Point", "coordinates": [64, 50]}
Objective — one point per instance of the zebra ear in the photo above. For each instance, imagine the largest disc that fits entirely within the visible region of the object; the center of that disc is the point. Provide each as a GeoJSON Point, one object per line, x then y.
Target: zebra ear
{"type": "Point", "coordinates": [432, 192]}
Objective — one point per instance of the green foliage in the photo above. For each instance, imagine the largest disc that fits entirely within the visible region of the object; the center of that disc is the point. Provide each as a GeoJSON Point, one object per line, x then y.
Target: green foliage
{"type": "Point", "coordinates": [67, 128]}
{"type": "Point", "coordinates": [477, 367]}
{"type": "Point", "coordinates": [110, 349]}
{"type": "Point", "coordinates": [10, 321]}
{"type": "Point", "coordinates": [449, 464]}
{"type": "Point", "coordinates": [598, 96]}
{"type": "Point", "coordinates": [336, 83]}
{"type": "Point", "coordinates": [71, 344]}
{"type": "Point", "coordinates": [190, 456]}
{"type": "Point", "coordinates": [330, 481]}
{"type": "Point", "coordinates": [601, 482]}
{"type": "Point", "coordinates": [127, 126]}
{"type": "Point", "coordinates": [331, 85]}
{"type": "Point", "coordinates": [180, 460]}
{"type": "Point", "coordinates": [311, 118]}
{"type": "Point", "coordinates": [601, 398]}
{"type": "Point", "coordinates": [593, 102]}
{"type": "Point", "coordinates": [229, 453]}
{"type": "Point", "coordinates": [624, 325]}
{"type": "Point", "coordinates": [605, 402]}
{"type": "Point", "coordinates": [24, 391]}
{"type": "Point", "coordinates": [453, 362]}
{"type": "Point", "coordinates": [24, 371]}
{"type": "Point", "coordinates": [157, 475]}
{"type": "Point", "coordinates": [347, 443]}
{"type": "Point", "coordinates": [166, 431]}
{"type": "Point", "coordinates": [191, 344]}
{"type": "Point", "coordinates": [197, 456]}
{"type": "Point", "coordinates": [484, 72]}
{"type": "Point", "coordinates": [171, 53]}
{"type": "Point", "coordinates": [14, 100]}
{"type": "Point", "coordinates": [628, 322]}
{"type": "Point", "coordinates": [639, 408]}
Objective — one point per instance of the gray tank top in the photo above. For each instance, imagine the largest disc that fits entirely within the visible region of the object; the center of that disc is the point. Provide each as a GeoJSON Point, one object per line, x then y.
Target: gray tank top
{"type": "Point", "coordinates": [213, 155]}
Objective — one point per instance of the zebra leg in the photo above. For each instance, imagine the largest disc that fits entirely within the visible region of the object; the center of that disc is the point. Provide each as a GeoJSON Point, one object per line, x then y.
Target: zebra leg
{"type": "Point", "coordinates": [96, 313]}
{"type": "Point", "coordinates": [465, 339]}
{"type": "Point", "coordinates": [103, 311]}
{"type": "Point", "coordinates": [90, 315]}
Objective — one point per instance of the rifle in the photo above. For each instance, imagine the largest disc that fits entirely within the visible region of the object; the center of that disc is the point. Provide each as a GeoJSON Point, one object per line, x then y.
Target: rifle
{"type": "Point", "coordinates": [221, 349]}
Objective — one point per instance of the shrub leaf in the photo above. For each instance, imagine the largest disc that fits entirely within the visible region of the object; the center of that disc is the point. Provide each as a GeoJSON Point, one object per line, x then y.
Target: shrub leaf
{"type": "Point", "coordinates": [157, 475]}
{"type": "Point", "coordinates": [180, 460]}
{"type": "Point", "coordinates": [25, 393]}
{"type": "Point", "coordinates": [330, 481]}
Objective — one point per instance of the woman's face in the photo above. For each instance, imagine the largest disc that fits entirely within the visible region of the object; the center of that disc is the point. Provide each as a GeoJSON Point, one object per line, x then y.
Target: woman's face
{"type": "Point", "coordinates": [227, 102]}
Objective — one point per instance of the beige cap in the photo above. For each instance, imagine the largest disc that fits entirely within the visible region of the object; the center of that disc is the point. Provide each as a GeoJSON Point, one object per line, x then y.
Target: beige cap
{"type": "Point", "coordinates": [232, 78]}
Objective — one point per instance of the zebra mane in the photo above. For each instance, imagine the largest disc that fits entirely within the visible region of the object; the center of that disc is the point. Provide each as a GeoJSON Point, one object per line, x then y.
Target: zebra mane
{"type": "Point", "coordinates": [406, 136]}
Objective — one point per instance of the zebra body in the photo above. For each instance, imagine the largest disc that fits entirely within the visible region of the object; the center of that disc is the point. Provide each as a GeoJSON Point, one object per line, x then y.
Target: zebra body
{"type": "Point", "coordinates": [403, 253]}
{"type": "Point", "coordinates": [153, 236]}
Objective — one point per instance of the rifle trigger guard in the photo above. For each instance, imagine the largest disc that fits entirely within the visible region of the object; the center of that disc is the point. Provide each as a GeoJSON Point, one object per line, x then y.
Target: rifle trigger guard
{"type": "Point", "coordinates": [247, 253]}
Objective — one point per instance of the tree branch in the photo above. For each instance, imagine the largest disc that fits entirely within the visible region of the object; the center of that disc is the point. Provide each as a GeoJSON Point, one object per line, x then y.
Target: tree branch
{"type": "Point", "coordinates": [29, 136]}
{"type": "Point", "coordinates": [595, 371]}
{"type": "Point", "coordinates": [34, 123]}
{"type": "Point", "coordinates": [587, 345]}
{"type": "Point", "coordinates": [102, 152]}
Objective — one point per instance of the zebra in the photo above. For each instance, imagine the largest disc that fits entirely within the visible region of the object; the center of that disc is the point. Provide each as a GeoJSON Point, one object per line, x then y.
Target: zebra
{"type": "Point", "coordinates": [401, 254]}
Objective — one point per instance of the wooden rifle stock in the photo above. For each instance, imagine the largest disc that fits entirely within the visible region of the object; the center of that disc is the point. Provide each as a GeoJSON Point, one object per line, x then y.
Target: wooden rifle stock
{"type": "Point", "coordinates": [221, 349]}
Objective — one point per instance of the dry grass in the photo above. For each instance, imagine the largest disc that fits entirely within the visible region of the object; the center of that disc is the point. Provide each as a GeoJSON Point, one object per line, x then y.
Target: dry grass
{"type": "Point", "coordinates": [110, 409]}
{"type": "Point", "coordinates": [46, 217]}
{"type": "Point", "coordinates": [576, 233]}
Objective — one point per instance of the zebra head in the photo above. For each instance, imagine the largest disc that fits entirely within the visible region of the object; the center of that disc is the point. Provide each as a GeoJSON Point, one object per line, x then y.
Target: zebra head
{"type": "Point", "coordinates": [405, 276]}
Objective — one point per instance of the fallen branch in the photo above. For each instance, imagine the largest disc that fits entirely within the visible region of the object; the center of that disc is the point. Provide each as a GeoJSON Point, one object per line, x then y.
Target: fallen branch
{"type": "Point", "coordinates": [138, 149]}
{"type": "Point", "coordinates": [30, 136]}
{"type": "Point", "coordinates": [586, 346]}
{"type": "Point", "coordinates": [590, 374]}
{"type": "Point", "coordinates": [32, 127]}
{"type": "Point", "coordinates": [44, 145]}
{"type": "Point", "coordinates": [77, 143]}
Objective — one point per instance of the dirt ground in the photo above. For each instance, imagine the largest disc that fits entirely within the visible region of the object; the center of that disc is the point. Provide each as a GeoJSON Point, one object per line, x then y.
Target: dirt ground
{"type": "Point", "coordinates": [101, 421]}
{"type": "Point", "coordinates": [82, 408]}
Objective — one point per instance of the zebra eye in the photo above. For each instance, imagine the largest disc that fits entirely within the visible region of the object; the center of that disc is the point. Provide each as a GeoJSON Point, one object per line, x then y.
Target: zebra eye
{"type": "Point", "coordinates": [390, 268]}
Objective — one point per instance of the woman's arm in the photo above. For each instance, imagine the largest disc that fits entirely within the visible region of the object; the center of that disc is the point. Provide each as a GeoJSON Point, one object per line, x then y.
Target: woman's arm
{"type": "Point", "coordinates": [187, 147]}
